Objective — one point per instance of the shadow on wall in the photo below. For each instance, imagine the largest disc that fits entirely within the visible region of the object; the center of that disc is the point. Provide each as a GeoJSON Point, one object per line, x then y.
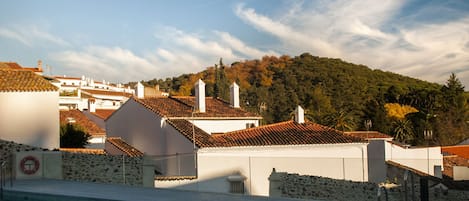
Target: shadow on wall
{"type": "Point", "coordinates": [221, 183]}
{"type": "Point", "coordinates": [42, 139]}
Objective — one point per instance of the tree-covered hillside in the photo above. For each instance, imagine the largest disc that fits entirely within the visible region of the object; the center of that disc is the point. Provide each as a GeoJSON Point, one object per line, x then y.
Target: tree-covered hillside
{"type": "Point", "coordinates": [338, 94]}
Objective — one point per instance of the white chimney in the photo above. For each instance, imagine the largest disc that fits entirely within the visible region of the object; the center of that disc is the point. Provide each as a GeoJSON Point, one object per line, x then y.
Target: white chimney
{"type": "Point", "coordinates": [200, 96]}
{"type": "Point", "coordinates": [140, 90]}
{"type": "Point", "coordinates": [299, 115]}
{"type": "Point", "coordinates": [91, 105]}
{"type": "Point", "coordinates": [39, 65]}
{"type": "Point", "coordinates": [234, 95]}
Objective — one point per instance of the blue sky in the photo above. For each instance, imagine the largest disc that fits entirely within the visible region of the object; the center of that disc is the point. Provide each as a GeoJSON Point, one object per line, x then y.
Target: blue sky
{"type": "Point", "coordinates": [124, 40]}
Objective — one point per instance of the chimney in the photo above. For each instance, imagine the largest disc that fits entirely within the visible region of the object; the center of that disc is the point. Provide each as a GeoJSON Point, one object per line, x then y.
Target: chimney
{"type": "Point", "coordinates": [234, 95]}
{"type": "Point", "coordinates": [140, 90]}
{"type": "Point", "coordinates": [39, 65]}
{"type": "Point", "coordinates": [91, 105]}
{"type": "Point", "coordinates": [299, 115]}
{"type": "Point", "coordinates": [200, 96]}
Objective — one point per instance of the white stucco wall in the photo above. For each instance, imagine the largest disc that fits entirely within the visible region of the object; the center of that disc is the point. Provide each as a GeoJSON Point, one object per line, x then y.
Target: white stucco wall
{"type": "Point", "coordinates": [423, 159]}
{"type": "Point", "coordinates": [222, 126]}
{"type": "Point", "coordinates": [340, 161]}
{"type": "Point", "coordinates": [30, 118]}
{"type": "Point", "coordinates": [147, 132]}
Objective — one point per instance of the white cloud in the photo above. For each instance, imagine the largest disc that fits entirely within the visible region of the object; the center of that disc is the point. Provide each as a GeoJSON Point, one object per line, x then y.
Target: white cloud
{"type": "Point", "coordinates": [31, 36]}
{"type": "Point", "coordinates": [239, 46]}
{"type": "Point", "coordinates": [177, 53]}
{"type": "Point", "coordinates": [368, 32]}
{"type": "Point", "coordinates": [114, 64]}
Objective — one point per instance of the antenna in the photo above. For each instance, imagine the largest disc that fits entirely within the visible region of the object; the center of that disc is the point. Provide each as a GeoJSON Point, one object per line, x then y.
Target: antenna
{"type": "Point", "coordinates": [368, 125]}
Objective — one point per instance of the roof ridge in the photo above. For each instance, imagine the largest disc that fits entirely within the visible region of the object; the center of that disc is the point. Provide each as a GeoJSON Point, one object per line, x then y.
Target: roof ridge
{"type": "Point", "coordinates": [147, 106]}
{"type": "Point", "coordinates": [259, 127]}
{"type": "Point", "coordinates": [133, 152]}
{"type": "Point", "coordinates": [182, 102]}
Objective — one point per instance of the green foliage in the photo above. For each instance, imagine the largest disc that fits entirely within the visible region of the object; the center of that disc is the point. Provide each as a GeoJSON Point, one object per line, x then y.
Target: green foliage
{"type": "Point", "coordinates": [403, 130]}
{"type": "Point", "coordinates": [73, 136]}
{"type": "Point", "coordinates": [336, 93]}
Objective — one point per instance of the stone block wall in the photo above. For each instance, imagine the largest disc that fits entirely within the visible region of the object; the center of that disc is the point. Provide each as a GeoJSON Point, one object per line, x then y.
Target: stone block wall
{"type": "Point", "coordinates": [321, 188]}
{"type": "Point", "coordinates": [103, 168]}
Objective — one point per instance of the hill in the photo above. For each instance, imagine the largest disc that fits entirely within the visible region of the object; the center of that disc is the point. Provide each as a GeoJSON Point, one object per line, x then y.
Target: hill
{"type": "Point", "coordinates": [334, 93]}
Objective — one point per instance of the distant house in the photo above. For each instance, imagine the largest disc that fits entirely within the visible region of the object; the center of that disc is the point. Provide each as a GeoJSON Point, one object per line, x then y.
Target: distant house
{"type": "Point", "coordinates": [13, 65]}
{"type": "Point", "coordinates": [206, 144]}
{"type": "Point", "coordinates": [86, 94]}
{"type": "Point", "coordinates": [29, 109]}
{"type": "Point", "coordinates": [456, 162]}
{"type": "Point", "coordinates": [76, 117]}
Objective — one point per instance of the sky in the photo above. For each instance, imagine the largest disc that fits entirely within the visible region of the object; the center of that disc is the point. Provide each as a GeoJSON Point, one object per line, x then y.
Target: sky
{"type": "Point", "coordinates": [132, 40]}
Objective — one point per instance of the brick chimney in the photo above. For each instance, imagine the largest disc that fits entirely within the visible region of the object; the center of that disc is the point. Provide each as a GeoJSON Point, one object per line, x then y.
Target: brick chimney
{"type": "Point", "coordinates": [140, 90]}
{"type": "Point", "coordinates": [200, 96]}
{"type": "Point", "coordinates": [234, 95]}
{"type": "Point", "coordinates": [299, 115]}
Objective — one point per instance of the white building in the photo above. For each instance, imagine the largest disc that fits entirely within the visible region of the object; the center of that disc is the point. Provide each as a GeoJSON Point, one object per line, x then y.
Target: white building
{"type": "Point", "coordinates": [79, 93]}
{"type": "Point", "coordinates": [29, 112]}
{"type": "Point", "coordinates": [381, 149]}
{"type": "Point", "coordinates": [205, 144]}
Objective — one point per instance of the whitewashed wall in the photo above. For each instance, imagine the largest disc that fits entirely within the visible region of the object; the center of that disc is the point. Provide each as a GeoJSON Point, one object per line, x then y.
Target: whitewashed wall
{"type": "Point", "coordinates": [222, 126]}
{"type": "Point", "coordinates": [343, 161]}
{"type": "Point", "coordinates": [423, 159]}
{"type": "Point", "coordinates": [30, 118]}
{"type": "Point", "coordinates": [147, 132]}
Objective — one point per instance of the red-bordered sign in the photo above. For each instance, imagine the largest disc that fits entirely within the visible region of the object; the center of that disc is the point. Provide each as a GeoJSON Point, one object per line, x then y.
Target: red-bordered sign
{"type": "Point", "coordinates": [29, 165]}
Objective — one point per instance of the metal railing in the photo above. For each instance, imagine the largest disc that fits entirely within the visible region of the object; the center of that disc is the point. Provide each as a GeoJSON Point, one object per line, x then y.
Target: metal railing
{"type": "Point", "coordinates": [5, 174]}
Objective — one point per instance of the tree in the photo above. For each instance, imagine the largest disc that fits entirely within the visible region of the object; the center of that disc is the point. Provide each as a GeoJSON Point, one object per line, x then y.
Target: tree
{"type": "Point", "coordinates": [452, 116]}
{"type": "Point", "coordinates": [341, 120]}
{"type": "Point", "coordinates": [402, 130]}
{"type": "Point", "coordinates": [221, 85]}
{"type": "Point", "coordinates": [73, 136]}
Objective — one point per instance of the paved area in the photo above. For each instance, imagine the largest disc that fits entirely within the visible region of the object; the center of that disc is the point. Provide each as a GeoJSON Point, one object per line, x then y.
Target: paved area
{"type": "Point", "coordinates": [122, 192]}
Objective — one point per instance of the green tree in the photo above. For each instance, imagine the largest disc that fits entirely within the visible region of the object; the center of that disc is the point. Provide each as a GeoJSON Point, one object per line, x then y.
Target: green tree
{"type": "Point", "coordinates": [73, 136]}
{"type": "Point", "coordinates": [452, 116]}
{"type": "Point", "coordinates": [403, 130]}
{"type": "Point", "coordinates": [221, 87]}
{"type": "Point", "coordinates": [342, 120]}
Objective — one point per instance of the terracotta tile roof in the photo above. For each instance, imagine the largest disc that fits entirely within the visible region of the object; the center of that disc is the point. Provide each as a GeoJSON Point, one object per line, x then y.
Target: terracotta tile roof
{"type": "Point", "coordinates": [284, 133]}
{"type": "Point", "coordinates": [84, 151]}
{"type": "Point", "coordinates": [67, 78]}
{"type": "Point", "coordinates": [454, 160]}
{"type": "Point", "coordinates": [14, 65]}
{"type": "Point", "coordinates": [174, 178]}
{"type": "Point", "coordinates": [11, 65]}
{"type": "Point", "coordinates": [124, 147]}
{"type": "Point", "coordinates": [368, 134]}
{"type": "Point", "coordinates": [106, 93]}
{"type": "Point", "coordinates": [23, 80]}
{"type": "Point", "coordinates": [81, 120]}
{"type": "Point", "coordinates": [103, 114]}
{"type": "Point", "coordinates": [460, 150]}
{"type": "Point", "coordinates": [202, 139]}
{"type": "Point", "coordinates": [180, 106]}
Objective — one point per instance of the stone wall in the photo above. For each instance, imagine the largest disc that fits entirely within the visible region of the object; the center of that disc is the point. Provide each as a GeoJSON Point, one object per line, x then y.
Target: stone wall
{"type": "Point", "coordinates": [88, 167]}
{"type": "Point", "coordinates": [103, 168]}
{"type": "Point", "coordinates": [320, 188]}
